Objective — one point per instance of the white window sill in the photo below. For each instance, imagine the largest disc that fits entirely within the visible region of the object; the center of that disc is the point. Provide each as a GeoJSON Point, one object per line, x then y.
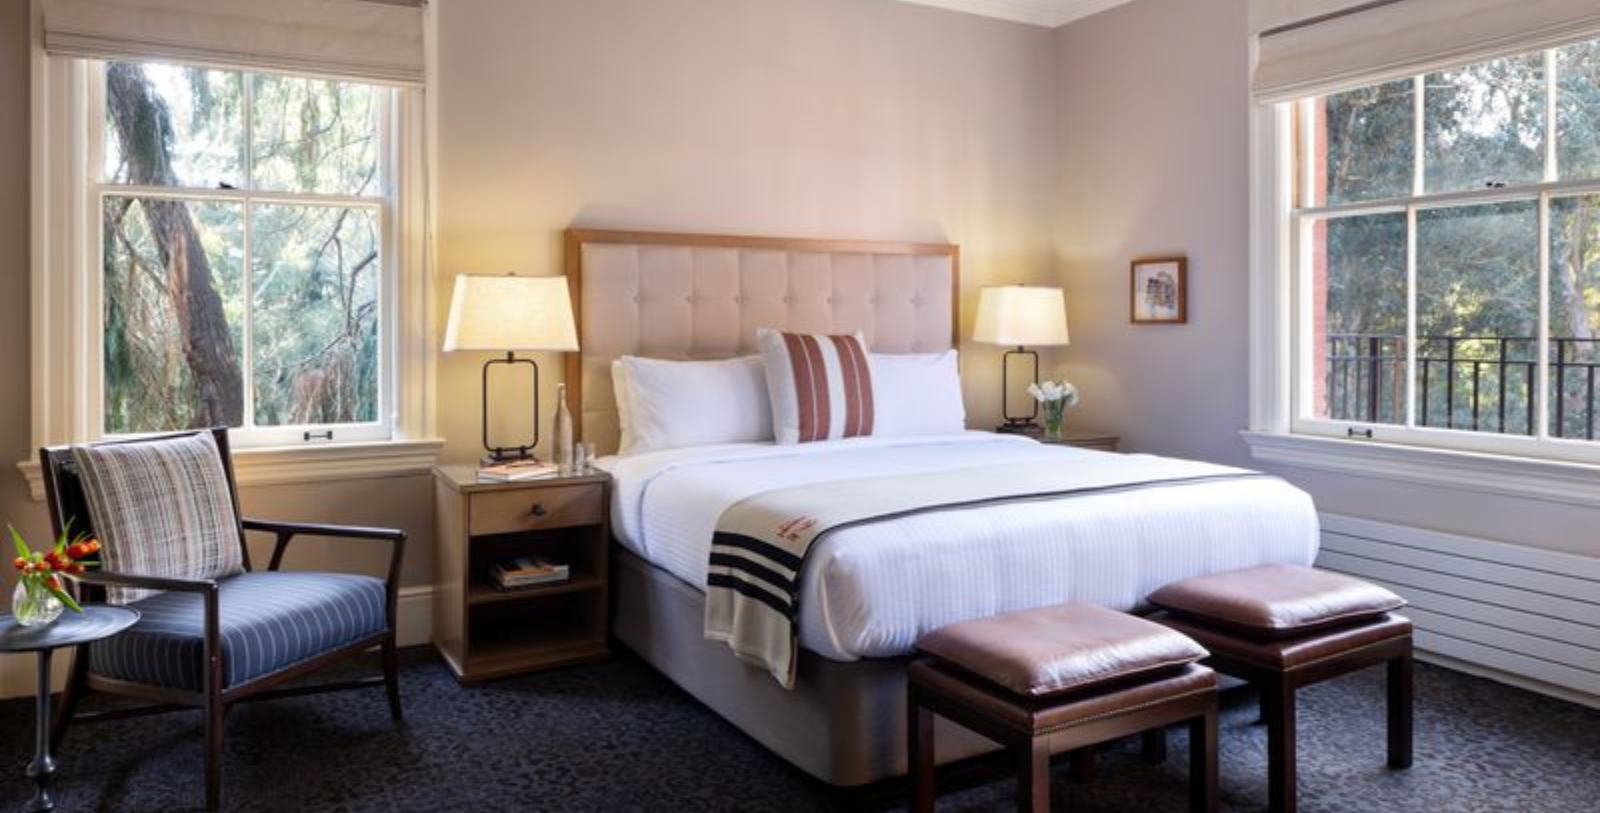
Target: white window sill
{"type": "Point", "coordinates": [308, 464]}
{"type": "Point", "coordinates": [1505, 475]}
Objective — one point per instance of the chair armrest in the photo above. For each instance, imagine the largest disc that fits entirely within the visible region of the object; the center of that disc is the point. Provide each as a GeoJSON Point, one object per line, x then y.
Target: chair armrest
{"type": "Point", "coordinates": [285, 531]}
{"type": "Point", "coordinates": [105, 578]}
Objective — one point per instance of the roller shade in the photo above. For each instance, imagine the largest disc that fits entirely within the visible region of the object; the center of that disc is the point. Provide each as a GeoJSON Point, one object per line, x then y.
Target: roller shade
{"type": "Point", "coordinates": [1304, 47]}
{"type": "Point", "coordinates": [371, 40]}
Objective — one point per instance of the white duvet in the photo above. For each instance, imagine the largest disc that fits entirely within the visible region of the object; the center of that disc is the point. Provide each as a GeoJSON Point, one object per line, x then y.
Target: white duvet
{"type": "Point", "coordinates": [871, 590]}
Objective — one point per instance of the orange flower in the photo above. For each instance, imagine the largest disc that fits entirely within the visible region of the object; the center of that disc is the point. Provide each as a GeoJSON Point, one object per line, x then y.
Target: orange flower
{"type": "Point", "coordinates": [63, 559]}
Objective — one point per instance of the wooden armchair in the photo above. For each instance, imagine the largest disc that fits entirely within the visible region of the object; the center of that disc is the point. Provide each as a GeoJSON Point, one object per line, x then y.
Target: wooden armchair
{"type": "Point", "coordinates": [166, 511]}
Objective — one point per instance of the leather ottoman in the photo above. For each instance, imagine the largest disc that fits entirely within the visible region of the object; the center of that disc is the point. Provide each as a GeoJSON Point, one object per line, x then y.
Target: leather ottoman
{"type": "Point", "coordinates": [1067, 676]}
{"type": "Point", "coordinates": [1281, 627]}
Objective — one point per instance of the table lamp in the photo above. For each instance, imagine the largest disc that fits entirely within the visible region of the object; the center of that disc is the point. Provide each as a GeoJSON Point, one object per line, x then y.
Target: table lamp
{"type": "Point", "coordinates": [510, 313]}
{"type": "Point", "coordinates": [1018, 316]}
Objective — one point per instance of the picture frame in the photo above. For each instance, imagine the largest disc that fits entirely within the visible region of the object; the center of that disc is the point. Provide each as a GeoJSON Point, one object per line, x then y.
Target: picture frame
{"type": "Point", "coordinates": [1158, 291]}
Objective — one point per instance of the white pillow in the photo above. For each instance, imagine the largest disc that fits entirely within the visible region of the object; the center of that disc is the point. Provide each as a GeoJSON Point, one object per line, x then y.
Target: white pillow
{"type": "Point", "coordinates": [668, 404]}
{"type": "Point", "coordinates": [917, 393]}
{"type": "Point", "coordinates": [821, 385]}
{"type": "Point", "coordinates": [621, 389]}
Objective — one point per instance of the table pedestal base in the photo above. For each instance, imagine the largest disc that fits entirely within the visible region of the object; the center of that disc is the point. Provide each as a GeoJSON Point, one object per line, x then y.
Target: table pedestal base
{"type": "Point", "coordinates": [43, 767]}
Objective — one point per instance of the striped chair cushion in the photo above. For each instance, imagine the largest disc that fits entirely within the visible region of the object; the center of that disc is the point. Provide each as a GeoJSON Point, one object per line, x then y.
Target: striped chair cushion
{"type": "Point", "coordinates": [270, 621]}
{"type": "Point", "coordinates": [161, 508]}
{"type": "Point", "coordinates": [820, 385]}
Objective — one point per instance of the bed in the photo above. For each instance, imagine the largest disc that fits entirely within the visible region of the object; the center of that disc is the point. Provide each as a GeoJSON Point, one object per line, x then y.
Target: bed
{"type": "Point", "coordinates": [868, 589]}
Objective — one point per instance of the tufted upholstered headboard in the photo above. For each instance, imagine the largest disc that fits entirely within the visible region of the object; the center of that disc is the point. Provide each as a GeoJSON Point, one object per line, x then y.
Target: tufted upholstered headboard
{"type": "Point", "coordinates": [700, 296]}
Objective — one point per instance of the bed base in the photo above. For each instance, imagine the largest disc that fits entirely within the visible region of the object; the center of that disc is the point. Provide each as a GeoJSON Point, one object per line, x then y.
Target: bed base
{"type": "Point", "coordinates": [843, 722]}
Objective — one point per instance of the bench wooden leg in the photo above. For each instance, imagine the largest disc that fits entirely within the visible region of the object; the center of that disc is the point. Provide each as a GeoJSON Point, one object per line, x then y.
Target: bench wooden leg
{"type": "Point", "coordinates": [920, 759]}
{"type": "Point", "coordinates": [1277, 706]}
{"type": "Point", "coordinates": [1203, 763]}
{"type": "Point", "coordinates": [1153, 746]}
{"type": "Point", "coordinates": [1400, 711]}
{"type": "Point", "coordinates": [1082, 760]}
{"type": "Point", "coordinates": [1033, 776]}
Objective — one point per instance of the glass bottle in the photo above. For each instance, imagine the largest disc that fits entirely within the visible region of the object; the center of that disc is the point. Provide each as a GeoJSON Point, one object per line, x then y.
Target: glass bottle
{"type": "Point", "coordinates": [561, 433]}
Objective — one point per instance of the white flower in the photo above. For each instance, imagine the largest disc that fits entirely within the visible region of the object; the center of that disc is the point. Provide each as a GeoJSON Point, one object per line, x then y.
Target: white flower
{"type": "Point", "coordinates": [1047, 391]}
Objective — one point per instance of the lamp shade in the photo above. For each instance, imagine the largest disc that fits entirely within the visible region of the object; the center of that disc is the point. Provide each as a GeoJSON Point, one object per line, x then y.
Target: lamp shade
{"type": "Point", "coordinates": [510, 313]}
{"type": "Point", "coordinates": [1019, 316]}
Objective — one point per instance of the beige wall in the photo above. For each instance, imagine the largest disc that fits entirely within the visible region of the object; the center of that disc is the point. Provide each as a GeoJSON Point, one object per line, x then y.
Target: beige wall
{"type": "Point", "coordinates": [15, 437]}
{"type": "Point", "coordinates": [1153, 158]}
{"type": "Point", "coordinates": [806, 118]}
{"type": "Point", "coordinates": [1152, 161]}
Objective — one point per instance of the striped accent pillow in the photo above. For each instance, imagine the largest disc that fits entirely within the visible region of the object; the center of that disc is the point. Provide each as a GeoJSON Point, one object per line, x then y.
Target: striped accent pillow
{"type": "Point", "coordinates": [821, 385]}
{"type": "Point", "coordinates": [161, 508]}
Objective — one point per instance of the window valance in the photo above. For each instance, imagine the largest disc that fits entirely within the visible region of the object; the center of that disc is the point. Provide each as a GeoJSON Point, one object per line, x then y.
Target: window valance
{"type": "Point", "coordinates": [1303, 47]}
{"type": "Point", "coordinates": [370, 40]}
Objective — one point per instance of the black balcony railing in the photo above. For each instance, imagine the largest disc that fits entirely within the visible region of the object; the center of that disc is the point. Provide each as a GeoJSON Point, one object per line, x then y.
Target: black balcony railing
{"type": "Point", "coordinates": [1476, 383]}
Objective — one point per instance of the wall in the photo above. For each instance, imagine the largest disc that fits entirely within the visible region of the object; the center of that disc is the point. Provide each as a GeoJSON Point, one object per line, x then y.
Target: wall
{"type": "Point", "coordinates": [15, 436]}
{"type": "Point", "coordinates": [804, 118]}
{"type": "Point", "coordinates": [1153, 158]}
{"type": "Point", "coordinates": [1152, 117]}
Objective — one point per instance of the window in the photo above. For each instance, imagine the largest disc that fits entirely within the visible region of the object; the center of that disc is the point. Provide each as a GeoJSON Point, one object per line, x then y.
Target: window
{"type": "Point", "coordinates": [229, 226]}
{"type": "Point", "coordinates": [1444, 244]}
{"type": "Point", "coordinates": [244, 252]}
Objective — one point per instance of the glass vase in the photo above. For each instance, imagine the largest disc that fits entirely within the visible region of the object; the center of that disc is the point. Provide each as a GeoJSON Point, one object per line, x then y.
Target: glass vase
{"type": "Point", "coordinates": [1054, 412]}
{"type": "Point", "coordinates": [33, 605]}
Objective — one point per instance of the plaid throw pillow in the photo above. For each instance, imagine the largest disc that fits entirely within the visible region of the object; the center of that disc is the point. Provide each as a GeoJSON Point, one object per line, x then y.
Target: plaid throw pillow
{"type": "Point", "coordinates": [161, 508]}
{"type": "Point", "coordinates": [820, 385]}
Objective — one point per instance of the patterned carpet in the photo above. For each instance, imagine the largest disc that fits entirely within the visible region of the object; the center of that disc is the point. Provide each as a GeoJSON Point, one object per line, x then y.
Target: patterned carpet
{"type": "Point", "coordinates": [617, 736]}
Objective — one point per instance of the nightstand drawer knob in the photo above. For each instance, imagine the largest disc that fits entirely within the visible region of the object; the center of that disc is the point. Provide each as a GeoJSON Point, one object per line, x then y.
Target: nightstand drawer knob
{"type": "Point", "coordinates": [539, 510]}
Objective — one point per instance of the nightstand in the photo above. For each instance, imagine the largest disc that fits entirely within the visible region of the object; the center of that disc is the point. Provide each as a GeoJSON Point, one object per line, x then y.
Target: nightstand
{"type": "Point", "coordinates": [1085, 439]}
{"type": "Point", "coordinates": [485, 632]}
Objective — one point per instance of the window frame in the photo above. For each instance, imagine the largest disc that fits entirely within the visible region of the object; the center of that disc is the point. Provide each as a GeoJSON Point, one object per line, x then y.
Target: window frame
{"type": "Point", "coordinates": [66, 307]}
{"type": "Point", "coordinates": [1281, 430]}
{"type": "Point", "coordinates": [383, 200]}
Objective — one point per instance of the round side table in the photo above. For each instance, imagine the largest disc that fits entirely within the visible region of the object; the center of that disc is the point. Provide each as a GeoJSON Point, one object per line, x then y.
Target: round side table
{"type": "Point", "coordinates": [95, 622]}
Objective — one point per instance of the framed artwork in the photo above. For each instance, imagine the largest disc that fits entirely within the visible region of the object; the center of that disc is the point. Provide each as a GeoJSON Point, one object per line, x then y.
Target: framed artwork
{"type": "Point", "coordinates": [1158, 290]}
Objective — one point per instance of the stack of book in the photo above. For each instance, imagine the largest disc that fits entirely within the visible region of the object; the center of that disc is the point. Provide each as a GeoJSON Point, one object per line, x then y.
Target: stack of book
{"type": "Point", "coordinates": [528, 571]}
{"type": "Point", "coordinates": [518, 470]}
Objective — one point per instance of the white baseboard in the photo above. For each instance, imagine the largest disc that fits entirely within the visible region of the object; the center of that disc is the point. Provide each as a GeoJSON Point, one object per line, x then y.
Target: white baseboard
{"type": "Point", "coordinates": [1519, 681]}
{"type": "Point", "coordinates": [414, 625]}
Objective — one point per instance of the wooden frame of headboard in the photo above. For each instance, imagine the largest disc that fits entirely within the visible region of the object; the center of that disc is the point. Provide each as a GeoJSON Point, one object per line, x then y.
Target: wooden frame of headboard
{"type": "Point", "coordinates": [576, 239]}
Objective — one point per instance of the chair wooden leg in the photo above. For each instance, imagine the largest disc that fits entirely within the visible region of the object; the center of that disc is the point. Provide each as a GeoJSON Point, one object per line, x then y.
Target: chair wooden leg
{"type": "Point", "coordinates": [1203, 762]}
{"type": "Point", "coordinates": [215, 713]}
{"type": "Point", "coordinates": [919, 758]}
{"type": "Point", "coordinates": [1278, 707]}
{"type": "Point", "coordinates": [77, 677]}
{"type": "Point", "coordinates": [1033, 776]}
{"type": "Point", "coordinates": [391, 677]}
{"type": "Point", "coordinates": [1401, 712]}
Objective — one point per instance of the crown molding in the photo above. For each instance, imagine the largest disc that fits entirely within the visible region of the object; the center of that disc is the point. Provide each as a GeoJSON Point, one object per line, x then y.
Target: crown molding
{"type": "Point", "coordinates": [1043, 13]}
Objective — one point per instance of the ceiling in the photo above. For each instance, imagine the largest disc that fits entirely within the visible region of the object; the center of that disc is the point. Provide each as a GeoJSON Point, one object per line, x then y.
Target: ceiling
{"type": "Point", "coordinates": [1046, 13]}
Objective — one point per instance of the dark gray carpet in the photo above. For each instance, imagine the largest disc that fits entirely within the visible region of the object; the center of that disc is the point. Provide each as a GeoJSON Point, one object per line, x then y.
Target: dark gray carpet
{"type": "Point", "coordinates": [617, 736]}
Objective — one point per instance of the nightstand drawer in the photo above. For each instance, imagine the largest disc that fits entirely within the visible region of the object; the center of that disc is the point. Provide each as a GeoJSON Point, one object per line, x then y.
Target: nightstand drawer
{"type": "Point", "coordinates": [530, 509]}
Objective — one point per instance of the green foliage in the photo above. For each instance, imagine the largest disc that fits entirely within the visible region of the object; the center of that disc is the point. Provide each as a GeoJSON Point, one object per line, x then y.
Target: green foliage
{"type": "Point", "coordinates": [307, 310]}
{"type": "Point", "coordinates": [1477, 297]}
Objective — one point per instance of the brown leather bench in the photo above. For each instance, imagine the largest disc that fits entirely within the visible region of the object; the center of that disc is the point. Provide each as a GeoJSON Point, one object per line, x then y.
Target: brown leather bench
{"type": "Point", "coordinates": [1281, 627]}
{"type": "Point", "coordinates": [1068, 676]}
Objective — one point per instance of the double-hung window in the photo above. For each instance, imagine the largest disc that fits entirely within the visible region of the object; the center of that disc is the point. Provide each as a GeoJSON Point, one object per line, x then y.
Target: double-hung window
{"type": "Point", "coordinates": [1432, 233]}
{"type": "Point", "coordinates": [244, 252]}
{"type": "Point", "coordinates": [229, 218]}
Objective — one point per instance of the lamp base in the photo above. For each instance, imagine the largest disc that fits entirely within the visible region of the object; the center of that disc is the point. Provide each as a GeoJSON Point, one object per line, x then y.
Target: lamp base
{"type": "Point", "coordinates": [1028, 428]}
{"type": "Point", "coordinates": [502, 456]}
